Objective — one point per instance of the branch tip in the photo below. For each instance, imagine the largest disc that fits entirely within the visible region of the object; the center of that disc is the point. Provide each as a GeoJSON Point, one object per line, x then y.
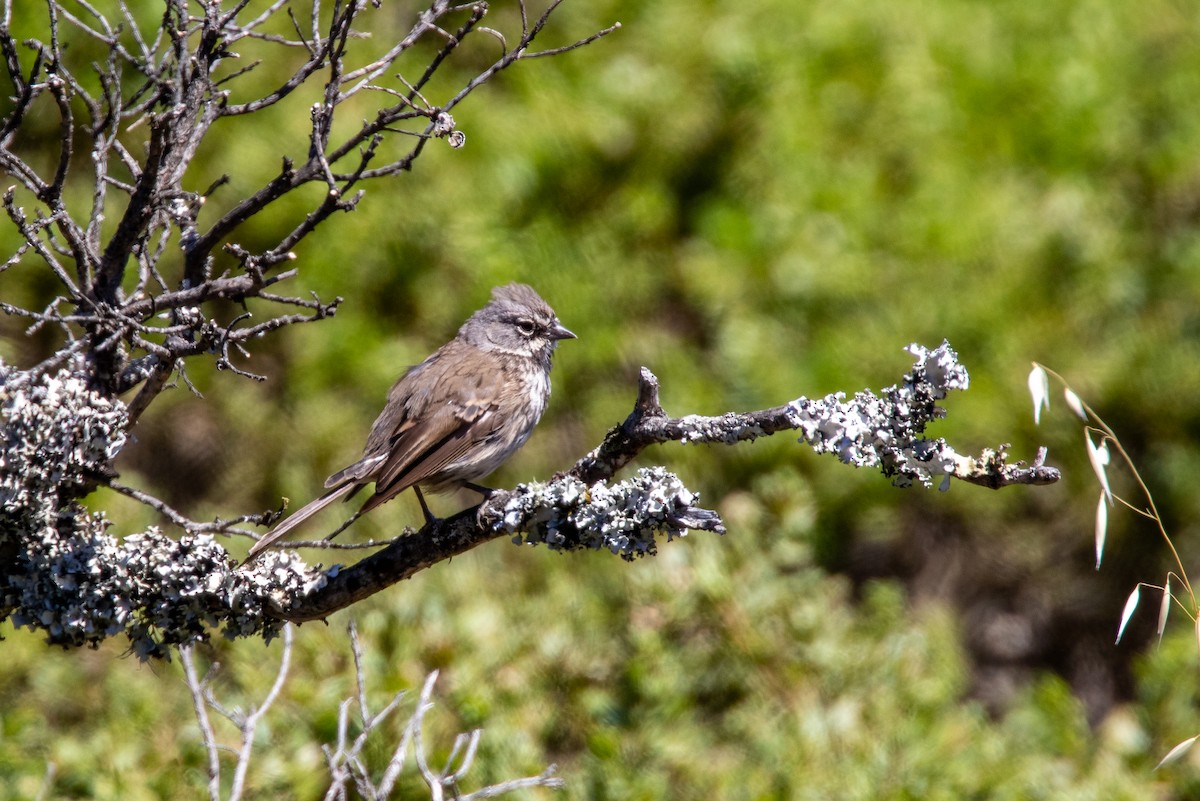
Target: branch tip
{"type": "Point", "coordinates": [648, 403]}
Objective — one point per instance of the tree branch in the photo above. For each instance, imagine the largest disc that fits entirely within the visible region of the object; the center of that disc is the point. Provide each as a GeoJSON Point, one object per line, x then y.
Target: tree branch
{"type": "Point", "coordinates": [169, 85]}
{"type": "Point", "coordinates": [159, 592]}
{"type": "Point", "coordinates": [577, 510]}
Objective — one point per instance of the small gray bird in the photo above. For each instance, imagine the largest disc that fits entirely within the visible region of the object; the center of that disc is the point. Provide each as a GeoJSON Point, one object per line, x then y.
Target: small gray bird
{"type": "Point", "coordinates": [458, 415]}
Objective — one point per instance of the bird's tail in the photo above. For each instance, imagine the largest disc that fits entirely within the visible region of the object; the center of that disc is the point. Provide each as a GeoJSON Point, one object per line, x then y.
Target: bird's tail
{"type": "Point", "coordinates": [296, 519]}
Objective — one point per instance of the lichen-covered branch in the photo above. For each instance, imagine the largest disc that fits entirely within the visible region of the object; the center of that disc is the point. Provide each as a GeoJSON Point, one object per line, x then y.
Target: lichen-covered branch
{"type": "Point", "coordinates": [564, 514]}
{"type": "Point", "coordinates": [883, 431]}
{"type": "Point", "coordinates": [62, 571]}
{"type": "Point", "coordinates": [579, 509]}
{"type": "Point", "coordinates": [66, 575]}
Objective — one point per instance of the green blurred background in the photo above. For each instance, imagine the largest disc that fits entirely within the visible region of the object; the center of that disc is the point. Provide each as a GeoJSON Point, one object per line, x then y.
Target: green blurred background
{"type": "Point", "coordinates": [757, 201]}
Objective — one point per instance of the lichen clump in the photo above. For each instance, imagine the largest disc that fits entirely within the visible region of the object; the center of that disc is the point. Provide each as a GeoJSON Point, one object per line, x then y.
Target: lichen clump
{"type": "Point", "coordinates": [63, 574]}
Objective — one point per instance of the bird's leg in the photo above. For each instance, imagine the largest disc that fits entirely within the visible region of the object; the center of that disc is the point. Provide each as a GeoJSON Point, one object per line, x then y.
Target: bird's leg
{"type": "Point", "coordinates": [486, 492]}
{"type": "Point", "coordinates": [429, 518]}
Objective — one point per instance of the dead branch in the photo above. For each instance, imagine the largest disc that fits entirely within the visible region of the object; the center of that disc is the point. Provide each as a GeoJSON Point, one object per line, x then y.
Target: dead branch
{"type": "Point", "coordinates": [166, 81]}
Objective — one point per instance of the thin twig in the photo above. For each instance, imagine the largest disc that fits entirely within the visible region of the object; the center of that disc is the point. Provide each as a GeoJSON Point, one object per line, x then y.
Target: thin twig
{"type": "Point", "coordinates": [255, 716]}
{"type": "Point", "coordinates": [557, 51]}
{"type": "Point", "coordinates": [200, 706]}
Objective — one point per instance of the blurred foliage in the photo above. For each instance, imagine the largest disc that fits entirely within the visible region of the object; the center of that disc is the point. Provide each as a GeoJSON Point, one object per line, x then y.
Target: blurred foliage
{"type": "Point", "coordinates": [723, 669]}
{"type": "Point", "coordinates": [757, 201]}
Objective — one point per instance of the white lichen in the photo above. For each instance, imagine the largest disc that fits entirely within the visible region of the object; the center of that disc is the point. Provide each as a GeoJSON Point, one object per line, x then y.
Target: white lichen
{"type": "Point", "coordinates": [65, 574]}
{"type": "Point", "coordinates": [624, 518]}
{"type": "Point", "coordinates": [885, 432]}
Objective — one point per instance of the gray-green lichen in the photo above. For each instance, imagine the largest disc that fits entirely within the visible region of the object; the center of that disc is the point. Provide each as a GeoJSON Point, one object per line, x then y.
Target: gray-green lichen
{"type": "Point", "coordinates": [624, 518]}
{"type": "Point", "coordinates": [63, 572]}
{"type": "Point", "coordinates": [885, 431]}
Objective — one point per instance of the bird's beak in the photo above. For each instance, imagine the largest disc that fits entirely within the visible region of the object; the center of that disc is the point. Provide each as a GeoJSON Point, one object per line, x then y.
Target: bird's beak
{"type": "Point", "coordinates": [559, 331]}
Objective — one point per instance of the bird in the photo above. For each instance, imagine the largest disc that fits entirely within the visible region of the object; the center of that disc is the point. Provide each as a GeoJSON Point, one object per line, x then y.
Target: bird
{"type": "Point", "coordinates": [457, 416]}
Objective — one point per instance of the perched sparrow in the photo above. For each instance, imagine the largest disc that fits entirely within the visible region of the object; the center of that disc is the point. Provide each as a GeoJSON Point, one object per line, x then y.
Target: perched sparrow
{"type": "Point", "coordinates": [459, 414]}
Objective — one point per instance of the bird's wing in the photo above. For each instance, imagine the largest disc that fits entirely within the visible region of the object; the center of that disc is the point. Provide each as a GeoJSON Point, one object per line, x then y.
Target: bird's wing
{"type": "Point", "coordinates": [436, 413]}
{"type": "Point", "coordinates": [423, 449]}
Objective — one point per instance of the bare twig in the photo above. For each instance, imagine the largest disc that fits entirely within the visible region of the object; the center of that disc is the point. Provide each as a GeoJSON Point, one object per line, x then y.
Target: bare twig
{"type": "Point", "coordinates": [171, 88]}
{"type": "Point", "coordinates": [199, 689]}
{"type": "Point", "coordinates": [587, 40]}
{"type": "Point", "coordinates": [47, 785]}
{"type": "Point", "coordinates": [346, 757]}
{"type": "Point", "coordinates": [246, 723]}
{"type": "Point", "coordinates": [250, 723]}
{"type": "Point", "coordinates": [218, 526]}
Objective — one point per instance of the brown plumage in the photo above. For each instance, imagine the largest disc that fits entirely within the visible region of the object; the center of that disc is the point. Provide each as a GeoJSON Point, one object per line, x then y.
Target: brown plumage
{"type": "Point", "coordinates": [458, 415]}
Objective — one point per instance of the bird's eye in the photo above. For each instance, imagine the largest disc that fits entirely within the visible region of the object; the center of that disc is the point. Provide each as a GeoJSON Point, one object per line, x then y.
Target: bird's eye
{"type": "Point", "coordinates": [526, 326]}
